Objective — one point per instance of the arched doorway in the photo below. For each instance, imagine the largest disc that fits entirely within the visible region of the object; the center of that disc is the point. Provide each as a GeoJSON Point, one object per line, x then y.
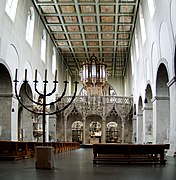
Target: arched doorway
{"type": "Point", "coordinates": [112, 132]}
{"type": "Point", "coordinates": [139, 128]}
{"type": "Point", "coordinates": [162, 107]}
{"type": "Point", "coordinates": [148, 116]}
{"type": "Point", "coordinates": [77, 132]}
{"type": "Point", "coordinates": [38, 122]}
{"type": "Point", "coordinates": [95, 132]}
{"type": "Point", "coordinates": [25, 123]}
{"type": "Point", "coordinates": [5, 103]}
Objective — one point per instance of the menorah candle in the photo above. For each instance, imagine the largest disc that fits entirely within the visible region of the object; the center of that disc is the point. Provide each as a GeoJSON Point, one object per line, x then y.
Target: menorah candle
{"type": "Point", "coordinates": [36, 75]}
{"type": "Point", "coordinates": [45, 74]}
{"type": "Point", "coordinates": [66, 75]}
{"type": "Point", "coordinates": [76, 77]}
{"type": "Point", "coordinates": [55, 75]}
{"type": "Point", "coordinates": [16, 74]}
{"type": "Point", "coordinates": [25, 75]}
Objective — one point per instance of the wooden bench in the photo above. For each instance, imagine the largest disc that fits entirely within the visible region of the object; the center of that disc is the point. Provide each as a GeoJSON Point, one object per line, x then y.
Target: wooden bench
{"type": "Point", "coordinates": [16, 150]}
{"type": "Point", "coordinates": [129, 153]}
{"type": "Point", "coordinates": [65, 146]}
{"type": "Point", "coordinates": [9, 150]}
{"type": "Point", "coordinates": [24, 148]}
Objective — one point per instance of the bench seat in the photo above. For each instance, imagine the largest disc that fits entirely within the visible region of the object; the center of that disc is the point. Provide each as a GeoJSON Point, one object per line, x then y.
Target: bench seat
{"type": "Point", "coordinates": [129, 153]}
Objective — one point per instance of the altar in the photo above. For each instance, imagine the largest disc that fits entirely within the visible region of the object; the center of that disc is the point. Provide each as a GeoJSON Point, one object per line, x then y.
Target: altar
{"type": "Point", "coordinates": [94, 140]}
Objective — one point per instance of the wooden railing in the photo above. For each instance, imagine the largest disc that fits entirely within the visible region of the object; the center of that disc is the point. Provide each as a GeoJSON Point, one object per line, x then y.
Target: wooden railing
{"type": "Point", "coordinates": [15, 150]}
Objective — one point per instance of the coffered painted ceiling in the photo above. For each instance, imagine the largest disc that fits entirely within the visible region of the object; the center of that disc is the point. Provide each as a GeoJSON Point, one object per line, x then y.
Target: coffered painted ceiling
{"type": "Point", "coordinates": [80, 28]}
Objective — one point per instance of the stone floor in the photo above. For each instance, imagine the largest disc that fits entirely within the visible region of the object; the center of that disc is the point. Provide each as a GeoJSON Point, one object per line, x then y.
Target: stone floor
{"type": "Point", "coordinates": [77, 165]}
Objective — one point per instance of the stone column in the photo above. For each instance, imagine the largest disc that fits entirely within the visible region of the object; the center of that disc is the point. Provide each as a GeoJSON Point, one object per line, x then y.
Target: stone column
{"type": "Point", "coordinates": [161, 119]}
{"type": "Point", "coordinates": [27, 124]}
{"type": "Point", "coordinates": [65, 129]}
{"type": "Point", "coordinates": [5, 116]}
{"type": "Point", "coordinates": [14, 120]}
{"type": "Point", "coordinates": [103, 136]}
{"type": "Point", "coordinates": [134, 129]}
{"type": "Point", "coordinates": [84, 130]}
{"type": "Point", "coordinates": [52, 127]}
{"type": "Point", "coordinates": [123, 129]}
{"type": "Point", "coordinates": [172, 133]}
{"type": "Point", "coordinates": [139, 129]}
{"type": "Point", "coordinates": [147, 124]}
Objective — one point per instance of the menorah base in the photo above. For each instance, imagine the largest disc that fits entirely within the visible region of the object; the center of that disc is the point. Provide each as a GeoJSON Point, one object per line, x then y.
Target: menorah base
{"type": "Point", "coordinates": [44, 157]}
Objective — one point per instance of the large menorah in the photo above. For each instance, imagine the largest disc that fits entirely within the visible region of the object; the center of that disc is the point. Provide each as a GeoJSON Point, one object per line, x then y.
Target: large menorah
{"type": "Point", "coordinates": [44, 95]}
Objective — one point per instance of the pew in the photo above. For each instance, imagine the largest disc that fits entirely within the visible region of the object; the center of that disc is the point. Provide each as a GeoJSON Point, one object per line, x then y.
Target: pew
{"type": "Point", "coordinates": [16, 150]}
{"type": "Point", "coordinates": [129, 153]}
{"type": "Point", "coordinates": [9, 150]}
{"type": "Point", "coordinates": [24, 148]}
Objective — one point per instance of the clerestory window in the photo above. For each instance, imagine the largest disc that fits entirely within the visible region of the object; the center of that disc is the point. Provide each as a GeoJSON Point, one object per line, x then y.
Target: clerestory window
{"type": "Point", "coordinates": [152, 7]}
{"type": "Point", "coordinates": [30, 26]}
{"type": "Point", "coordinates": [10, 8]}
{"type": "Point", "coordinates": [43, 46]}
{"type": "Point", "coordinates": [54, 61]}
{"type": "Point", "coordinates": [142, 25]}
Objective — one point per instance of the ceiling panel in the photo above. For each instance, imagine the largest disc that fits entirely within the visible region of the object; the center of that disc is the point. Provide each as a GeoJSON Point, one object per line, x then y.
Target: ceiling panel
{"type": "Point", "coordinates": [80, 28]}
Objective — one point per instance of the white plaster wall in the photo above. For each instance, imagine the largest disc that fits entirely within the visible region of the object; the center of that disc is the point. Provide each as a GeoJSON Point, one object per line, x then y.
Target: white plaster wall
{"type": "Point", "coordinates": [159, 45]}
{"type": "Point", "coordinates": [158, 48]}
{"type": "Point", "coordinates": [173, 22]}
{"type": "Point", "coordinates": [15, 52]}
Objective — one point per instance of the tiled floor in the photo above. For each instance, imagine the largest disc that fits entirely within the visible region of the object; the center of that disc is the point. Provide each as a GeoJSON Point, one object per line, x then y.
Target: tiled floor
{"type": "Point", "coordinates": [77, 165]}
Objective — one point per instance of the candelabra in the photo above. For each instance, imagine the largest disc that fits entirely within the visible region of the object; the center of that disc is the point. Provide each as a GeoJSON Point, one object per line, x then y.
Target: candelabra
{"type": "Point", "coordinates": [44, 95]}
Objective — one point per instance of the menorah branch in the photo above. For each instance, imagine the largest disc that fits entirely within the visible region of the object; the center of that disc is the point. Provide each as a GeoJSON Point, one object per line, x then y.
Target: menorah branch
{"type": "Point", "coordinates": [44, 95]}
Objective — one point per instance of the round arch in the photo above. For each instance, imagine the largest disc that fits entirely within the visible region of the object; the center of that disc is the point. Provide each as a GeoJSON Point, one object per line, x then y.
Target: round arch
{"type": "Point", "coordinates": [161, 81]}
{"type": "Point", "coordinates": [5, 103]}
{"type": "Point", "coordinates": [25, 124]}
{"type": "Point", "coordinates": [77, 131]}
{"type": "Point", "coordinates": [139, 124]}
{"type": "Point", "coordinates": [162, 106]}
{"type": "Point", "coordinates": [148, 116]}
{"type": "Point", "coordinates": [149, 94]}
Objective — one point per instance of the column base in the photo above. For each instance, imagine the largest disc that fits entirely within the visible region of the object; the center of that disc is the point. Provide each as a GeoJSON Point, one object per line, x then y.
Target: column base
{"type": "Point", "coordinates": [44, 157]}
{"type": "Point", "coordinates": [171, 153]}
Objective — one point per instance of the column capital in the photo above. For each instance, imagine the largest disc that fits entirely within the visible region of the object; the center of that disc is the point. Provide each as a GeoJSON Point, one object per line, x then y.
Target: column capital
{"type": "Point", "coordinates": [7, 95]}
{"type": "Point", "coordinates": [156, 98]}
{"type": "Point", "coordinates": [139, 114]}
{"type": "Point", "coordinates": [134, 118]}
{"type": "Point", "coordinates": [147, 108]}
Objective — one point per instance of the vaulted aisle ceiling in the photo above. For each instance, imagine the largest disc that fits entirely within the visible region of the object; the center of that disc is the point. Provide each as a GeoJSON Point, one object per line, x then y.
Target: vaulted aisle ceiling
{"type": "Point", "coordinates": [80, 28]}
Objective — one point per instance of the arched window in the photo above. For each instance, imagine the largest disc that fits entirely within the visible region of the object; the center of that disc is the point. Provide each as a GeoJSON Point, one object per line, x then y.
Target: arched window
{"type": "Point", "coordinates": [30, 26]}
{"type": "Point", "coordinates": [142, 25]}
{"type": "Point", "coordinates": [152, 7]}
{"type": "Point", "coordinates": [10, 8]}
{"type": "Point", "coordinates": [136, 46]}
{"type": "Point", "coordinates": [54, 60]}
{"type": "Point", "coordinates": [43, 46]}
